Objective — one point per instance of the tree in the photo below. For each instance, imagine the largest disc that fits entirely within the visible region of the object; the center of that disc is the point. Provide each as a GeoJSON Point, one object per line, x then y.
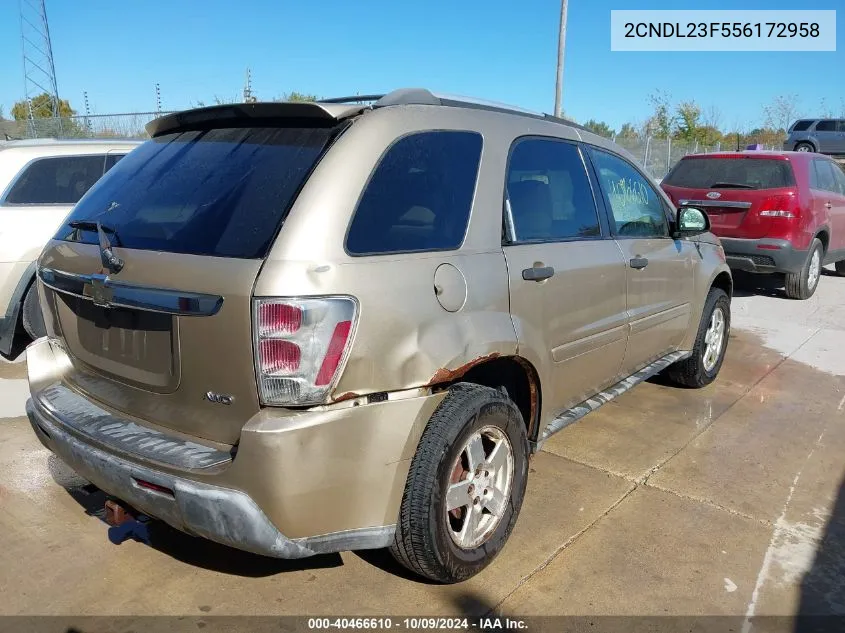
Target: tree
{"type": "Point", "coordinates": [781, 112]}
{"type": "Point", "coordinates": [628, 132]}
{"type": "Point", "coordinates": [661, 123]}
{"type": "Point", "coordinates": [825, 111]}
{"type": "Point", "coordinates": [42, 108]}
{"type": "Point", "coordinates": [709, 135]}
{"type": "Point", "coordinates": [601, 128]}
{"type": "Point", "coordinates": [688, 114]}
{"type": "Point", "coordinates": [297, 96]}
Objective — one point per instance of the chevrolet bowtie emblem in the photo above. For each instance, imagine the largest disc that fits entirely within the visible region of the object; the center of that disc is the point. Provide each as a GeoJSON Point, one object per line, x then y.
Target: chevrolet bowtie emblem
{"type": "Point", "coordinates": [99, 292]}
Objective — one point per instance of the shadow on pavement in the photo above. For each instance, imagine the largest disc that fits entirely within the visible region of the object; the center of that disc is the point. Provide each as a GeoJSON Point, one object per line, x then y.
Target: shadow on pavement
{"type": "Point", "coordinates": [188, 549]}
{"type": "Point", "coordinates": [823, 586]}
{"type": "Point", "coordinates": [383, 560]}
{"type": "Point", "coordinates": [750, 285]}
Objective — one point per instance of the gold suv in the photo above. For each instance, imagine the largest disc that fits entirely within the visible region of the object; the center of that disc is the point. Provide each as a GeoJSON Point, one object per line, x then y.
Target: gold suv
{"type": "Point", "coordinates": [298, 328]}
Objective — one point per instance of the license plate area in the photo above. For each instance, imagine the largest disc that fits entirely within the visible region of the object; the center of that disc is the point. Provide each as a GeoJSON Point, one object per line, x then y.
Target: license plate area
{"type": "Point", "coordinates": [135, 345]}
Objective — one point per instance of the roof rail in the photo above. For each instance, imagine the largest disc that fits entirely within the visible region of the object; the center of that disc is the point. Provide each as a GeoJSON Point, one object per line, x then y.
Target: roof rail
{"type": "Point", "coordinates": [355, 99]}
{"type": "Point", "coordinates": [422, 96]}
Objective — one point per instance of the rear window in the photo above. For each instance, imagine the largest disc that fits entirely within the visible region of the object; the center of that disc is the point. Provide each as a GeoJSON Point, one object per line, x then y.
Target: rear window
{"type": "Point", "coordinates": [419, 197]}
{"type": "Point", "coordinates": [731, 173]}
{"type": "Point", "coordinates": [802, 126]}
{"type": "Point", "coordinates": [58, 180]}
{"type": "Point", "coordinates": [221, 192]}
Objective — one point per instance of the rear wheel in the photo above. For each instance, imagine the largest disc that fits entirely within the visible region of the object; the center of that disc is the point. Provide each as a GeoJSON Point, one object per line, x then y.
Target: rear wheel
{"type": "Point", "coordinates": [804, 147]}
{"type": "Point", "coordinates": [803, 284]}
{"type": "Point", "coordinates": [702, 367]}
{"type": "Point", "coordinates": [465, 486]}
{"type": "Point", "coordinates": [33, 321]}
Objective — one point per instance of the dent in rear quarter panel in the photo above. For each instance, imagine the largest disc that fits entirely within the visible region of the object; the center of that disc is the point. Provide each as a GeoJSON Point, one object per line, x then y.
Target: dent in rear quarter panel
{"type": "Point", "coordinates": [404, 338]}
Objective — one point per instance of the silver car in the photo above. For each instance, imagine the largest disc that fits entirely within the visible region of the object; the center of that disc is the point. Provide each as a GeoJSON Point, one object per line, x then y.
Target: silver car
{"type": "Point", "coordinates": [826, 136]}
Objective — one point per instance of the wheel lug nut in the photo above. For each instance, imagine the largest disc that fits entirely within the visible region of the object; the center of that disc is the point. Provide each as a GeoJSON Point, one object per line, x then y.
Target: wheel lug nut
{"type": "Point", "coordinates": [485, 492]}
{"type": "Point", "coordinates": [471, 489]}
{"type": "Point", "coordinates": [475, 501]}
{"type": "Point", "coordinates": [486, 473]}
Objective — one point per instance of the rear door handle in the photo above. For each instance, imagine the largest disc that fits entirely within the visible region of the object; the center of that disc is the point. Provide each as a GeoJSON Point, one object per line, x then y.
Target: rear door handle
{"type": "Point", "coordinates": [638, 262]}
{"type": "Point", "coordinates": [828, 205]}
{"type": "Point", "coordinates": [538, 273]}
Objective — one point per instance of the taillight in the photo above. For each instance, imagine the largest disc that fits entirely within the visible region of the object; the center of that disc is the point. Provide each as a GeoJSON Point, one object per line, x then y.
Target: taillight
{"type": "Point", "coordinates": [780, 206]}
{"type": "Point", "coordinates": [300, 345]}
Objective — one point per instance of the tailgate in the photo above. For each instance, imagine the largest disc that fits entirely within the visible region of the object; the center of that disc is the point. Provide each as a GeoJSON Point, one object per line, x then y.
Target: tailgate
{"type": "Point", "coordinates": [167, 336]}
{"type": "Point", "coordinates": [733, 189]}
{"type": "Point", "coordinates": [735, 213]}
{"type": "Point", "coordinates": [153, 344]}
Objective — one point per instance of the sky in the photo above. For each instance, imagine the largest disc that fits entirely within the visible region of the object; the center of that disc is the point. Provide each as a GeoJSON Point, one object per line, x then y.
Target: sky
{"type": "Point", "coordinates": [496, 49]}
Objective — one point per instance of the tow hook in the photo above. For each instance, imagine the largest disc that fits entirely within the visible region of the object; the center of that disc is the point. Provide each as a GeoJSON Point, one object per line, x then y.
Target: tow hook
{"type": "Point", "coordinates": [117, 514]}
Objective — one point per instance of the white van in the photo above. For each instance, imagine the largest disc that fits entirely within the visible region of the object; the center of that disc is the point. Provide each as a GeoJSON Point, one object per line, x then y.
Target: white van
{"type": "Point", "coordinates": [40, 181]}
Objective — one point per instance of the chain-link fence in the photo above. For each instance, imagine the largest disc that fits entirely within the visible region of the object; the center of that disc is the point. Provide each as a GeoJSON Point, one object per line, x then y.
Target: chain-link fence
{"type": "Point", "coordinates": [657, 155]}
{"type": "Point", "coordinates": [130, 126]}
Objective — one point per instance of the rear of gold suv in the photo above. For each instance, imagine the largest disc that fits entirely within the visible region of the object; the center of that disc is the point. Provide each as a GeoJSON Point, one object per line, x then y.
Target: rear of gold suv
{"type": "Point", "coordinates": [289, 327]}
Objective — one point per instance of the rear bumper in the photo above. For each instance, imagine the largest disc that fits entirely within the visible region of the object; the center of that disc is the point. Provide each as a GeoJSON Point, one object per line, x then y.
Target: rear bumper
{"type": "Point", "coordinates": [754, 256]}
{"type": "Point", "coordinates": [220, 514]}
{"type": "Point", "coordinates": [301, 483]}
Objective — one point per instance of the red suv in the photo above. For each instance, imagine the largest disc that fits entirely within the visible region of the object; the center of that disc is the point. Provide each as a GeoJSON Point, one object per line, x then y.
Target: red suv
{"type": "Point", "coordinates": [775, 212]}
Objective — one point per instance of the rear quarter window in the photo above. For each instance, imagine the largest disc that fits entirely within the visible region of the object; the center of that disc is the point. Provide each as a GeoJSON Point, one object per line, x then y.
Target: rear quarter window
{"type": "Point", "coordinates": [419, 196]}
{"type": "Point", "coordinates": [56, 180]}
{"type": "Point", "coordinates": [727, 173]}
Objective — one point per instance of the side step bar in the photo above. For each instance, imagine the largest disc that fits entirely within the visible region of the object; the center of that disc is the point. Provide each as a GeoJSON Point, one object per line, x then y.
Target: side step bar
{"type": "Point", "coordinates": [572, 415]}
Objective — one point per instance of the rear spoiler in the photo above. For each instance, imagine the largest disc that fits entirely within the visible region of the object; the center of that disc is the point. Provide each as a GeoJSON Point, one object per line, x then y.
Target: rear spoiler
{"type": "Point", "coordinates": [215, 116]}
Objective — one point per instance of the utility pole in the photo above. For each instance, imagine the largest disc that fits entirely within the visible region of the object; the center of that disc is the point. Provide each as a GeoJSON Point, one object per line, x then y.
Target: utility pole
{"type": "Point", "coordinates": [561, 46]}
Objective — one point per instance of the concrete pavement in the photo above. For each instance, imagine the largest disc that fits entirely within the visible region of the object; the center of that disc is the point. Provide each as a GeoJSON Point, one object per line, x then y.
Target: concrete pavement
{"type": "Point", "coordinates": [665, 501]}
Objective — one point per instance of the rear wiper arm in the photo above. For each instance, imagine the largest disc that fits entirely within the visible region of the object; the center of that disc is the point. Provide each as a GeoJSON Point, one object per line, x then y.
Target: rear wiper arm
{"type": "Point", "coordinates": [730, 185]}
{"type": "Point", "coordinates": [90, 225]}
{"type": "Point", "coordinates": [110, 261]}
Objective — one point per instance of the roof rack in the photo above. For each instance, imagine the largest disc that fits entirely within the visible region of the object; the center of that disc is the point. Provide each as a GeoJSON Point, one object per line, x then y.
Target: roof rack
{"type": "Point", "coordinates": [355, 99]}
{"type": "Point", "coordinates": [422, 96]}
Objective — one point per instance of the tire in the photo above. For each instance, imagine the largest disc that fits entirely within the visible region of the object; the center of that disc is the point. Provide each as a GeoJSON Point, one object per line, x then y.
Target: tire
{"type": "Point", "coordinates": [33, 320]}
{"type": "Point", "coordinates": [802, 285]}
{"type": "Point", "coordinates": [804, 147]}
{"type": "Point", "coordinates": [697, 371]}
{"type": "Point", "coordinates": [424, 541]}
{"type": "Point", "coordinates": [840, 268]}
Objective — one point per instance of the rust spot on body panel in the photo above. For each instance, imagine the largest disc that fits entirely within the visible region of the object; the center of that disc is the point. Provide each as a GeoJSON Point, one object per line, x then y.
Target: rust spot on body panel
{"type": "Point", "coordinates": [444, 375]}
{"type": "Point", "coordinates": [349, 395]}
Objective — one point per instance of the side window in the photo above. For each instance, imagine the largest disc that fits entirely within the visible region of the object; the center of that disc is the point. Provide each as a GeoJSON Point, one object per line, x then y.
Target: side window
{"type": "Point", "coordinates": [802, 126]}
{"type": "Point", "coordinates": [112, 160]}
{"type": "Point", "coordinates": [419, 196]}
{"type": "Point", "coordinates": [826, 126]}
{"type": "Point", "coordinates": [636, 207]}
{"type": "Point", "coordinates": [549, 192]}
{"type": "Point", "coordinates": [60, 180]}
{"type": "Point", "coordinates": [840, 125]}
{"type": "Point", "coordinates": [839, 176]}
{"type": "Point", "coordinates": [822, 177]}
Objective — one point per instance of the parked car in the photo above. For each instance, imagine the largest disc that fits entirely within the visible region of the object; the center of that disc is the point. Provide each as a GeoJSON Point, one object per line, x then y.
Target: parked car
{"type": "Point", "coordinates": [775, 212]}
{"type": "Point", "coordinates": [298, 328]}
{"type": "Point", "coordinates": [40, 181]}
{"type": "Point", "coordinates": [826, 136]}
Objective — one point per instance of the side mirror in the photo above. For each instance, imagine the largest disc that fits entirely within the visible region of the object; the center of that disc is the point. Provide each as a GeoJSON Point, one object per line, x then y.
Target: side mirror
{"type": "Point", "coordinates": [691, 221]}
